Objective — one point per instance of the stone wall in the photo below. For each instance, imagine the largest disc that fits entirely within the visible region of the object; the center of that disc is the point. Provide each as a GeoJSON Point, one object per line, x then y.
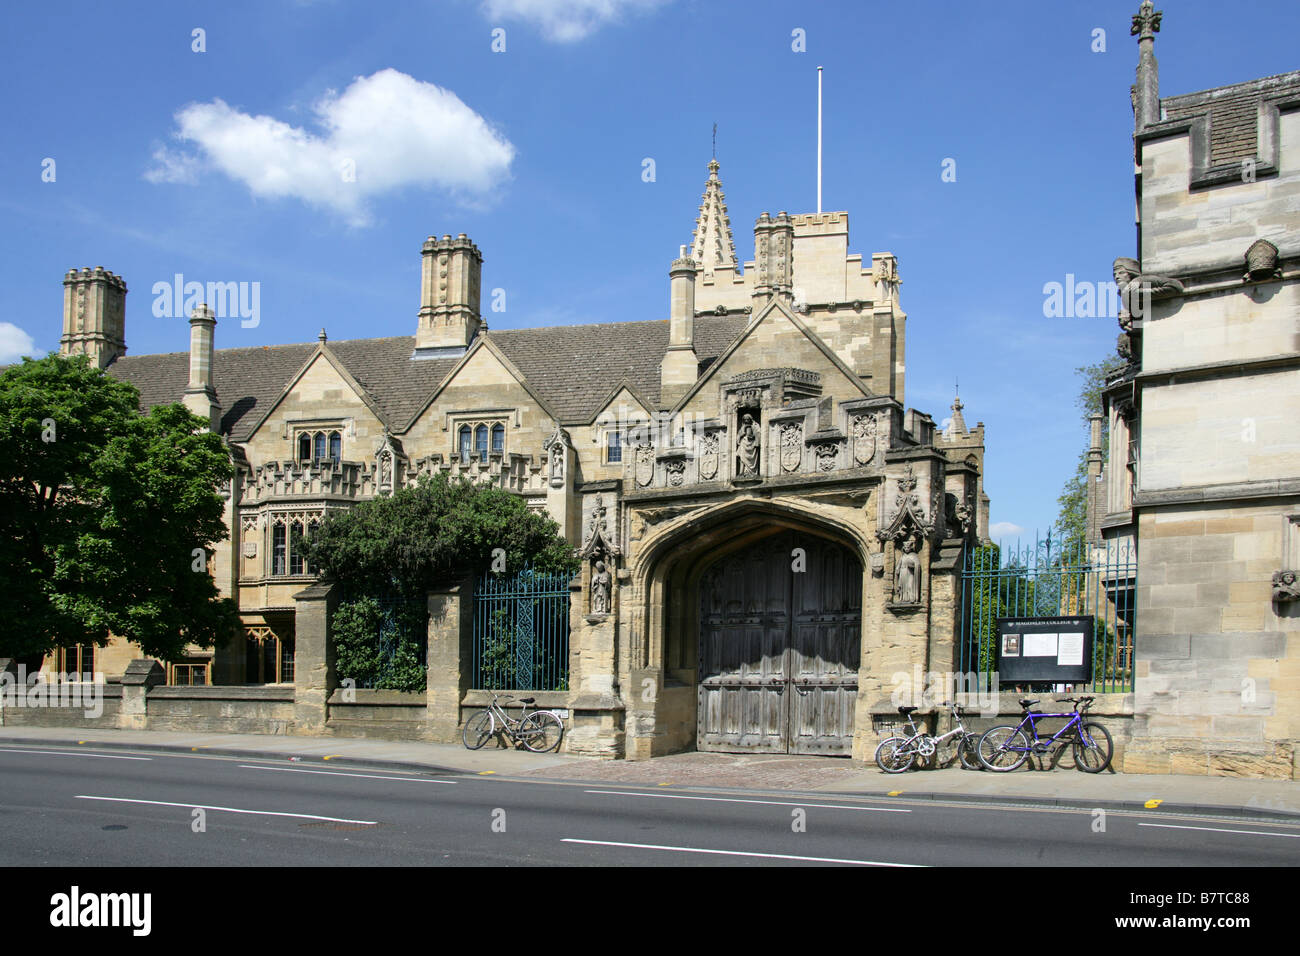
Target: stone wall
{"type": "Point", "coordinates": [1218, 661]}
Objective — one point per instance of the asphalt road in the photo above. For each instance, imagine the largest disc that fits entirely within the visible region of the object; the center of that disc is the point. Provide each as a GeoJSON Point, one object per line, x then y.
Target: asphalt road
{"type": "Point", "coordinates": [100, 808]}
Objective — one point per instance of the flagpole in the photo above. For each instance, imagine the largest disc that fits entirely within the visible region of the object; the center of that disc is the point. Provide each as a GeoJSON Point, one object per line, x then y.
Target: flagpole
{"type": "Point", "coordinates": [819, 139]}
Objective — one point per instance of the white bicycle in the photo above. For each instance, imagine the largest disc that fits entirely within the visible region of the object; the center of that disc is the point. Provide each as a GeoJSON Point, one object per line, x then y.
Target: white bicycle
{"type": "Point", "coordinates": [538, 730]}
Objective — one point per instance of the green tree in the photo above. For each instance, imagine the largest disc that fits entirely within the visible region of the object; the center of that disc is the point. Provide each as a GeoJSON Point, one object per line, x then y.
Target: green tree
{"type": "Point", "coordinates": [107, 517]}
{"type": "Point", "coordinates": [379, 644]}
{"type": "Point", "coordinates": [387, 552]}
{"type": "Point", "coordinates": [1072, 520]}
{"type": "Point", "coordinates": [437, 530]}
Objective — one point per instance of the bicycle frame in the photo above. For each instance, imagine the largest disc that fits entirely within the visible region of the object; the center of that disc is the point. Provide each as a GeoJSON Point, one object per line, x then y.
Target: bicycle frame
{"type": "Point", "coordinates": [1075, 723]}
{"type": "Point", "coordinates": [499, 715]}
{"type": "Point", "coordinates": [921, 735]}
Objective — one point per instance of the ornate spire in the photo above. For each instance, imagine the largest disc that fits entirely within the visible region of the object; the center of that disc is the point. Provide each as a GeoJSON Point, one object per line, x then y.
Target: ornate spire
{"type": "Point", "coordinates": [957, 427]}
{"type": "Point", "coordinates": [1146, 93]}
{"type": "Point", "coordinates": [713, 246]}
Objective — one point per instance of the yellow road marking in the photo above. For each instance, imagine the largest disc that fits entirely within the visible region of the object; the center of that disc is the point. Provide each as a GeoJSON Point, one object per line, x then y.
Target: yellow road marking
{"type": "Point", "coordinates": [484, 773]}
{"type": "Point", "coordinates": [894, 793]}
{"type": "Point", "coordinates": [331, 756]}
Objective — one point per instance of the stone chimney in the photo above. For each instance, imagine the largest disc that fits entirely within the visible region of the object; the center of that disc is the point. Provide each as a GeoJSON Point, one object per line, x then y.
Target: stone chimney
{"type": "Point", "coordinates": [94, 315]}
{"type": "Point", "coordinates": [1146, 94]}
{"type": "Point", "coordinates": [680, 365]}
{"type": "Point", "coordinates": [774, 258]}
{"type": "Point", "coordinates": [200, 396]}
{"type": "Point", "coordinates": [449, 297]}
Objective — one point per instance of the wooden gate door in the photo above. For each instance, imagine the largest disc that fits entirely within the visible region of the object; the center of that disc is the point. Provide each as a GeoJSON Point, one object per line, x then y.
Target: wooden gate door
{"type": "Point", "coordinates": [779, 649]}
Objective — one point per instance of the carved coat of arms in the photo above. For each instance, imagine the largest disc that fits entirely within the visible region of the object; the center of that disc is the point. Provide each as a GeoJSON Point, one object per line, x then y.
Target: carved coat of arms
{"type": "Point", "coordinates": [791, 446]}
{"type": "Point", "coordinates": [709, 456]}
{"type": "Point", "coordinates": [645, 465]}
{"type": "Point", "coordinates": [864, 439]}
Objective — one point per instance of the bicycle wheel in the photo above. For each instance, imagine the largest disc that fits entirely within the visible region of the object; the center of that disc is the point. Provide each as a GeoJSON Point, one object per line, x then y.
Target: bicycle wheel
{"type": "Point", "coordinates": [541, 731]}
{"type": "Point", "coordinates": [968, 750]}
{"type": "Point", "coordinates": [1003, 749]}
{"type": "Point", "coordinates": [478, 729]}
{"type": "Point", "coordinates": [894, 755]}
{"type": "Point", "coordinates": [1093, 748]}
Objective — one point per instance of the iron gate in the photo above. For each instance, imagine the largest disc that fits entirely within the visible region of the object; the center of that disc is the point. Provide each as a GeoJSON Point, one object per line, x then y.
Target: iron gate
{"type": "Point", "coordinates": [1043, 580]}
{"type": "Point", "coordinates": [521, 631]}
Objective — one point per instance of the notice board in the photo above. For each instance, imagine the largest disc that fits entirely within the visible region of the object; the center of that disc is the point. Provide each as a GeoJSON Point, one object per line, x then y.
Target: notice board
{"type": "Point", "coordinates": [1055, 649]}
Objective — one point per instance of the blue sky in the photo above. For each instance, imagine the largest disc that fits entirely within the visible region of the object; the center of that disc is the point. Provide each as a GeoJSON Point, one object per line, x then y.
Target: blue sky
{"type": "Point", "coordinates": [209, 164]}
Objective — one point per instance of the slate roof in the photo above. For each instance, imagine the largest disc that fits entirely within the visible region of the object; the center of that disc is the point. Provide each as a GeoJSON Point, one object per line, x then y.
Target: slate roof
{"type": "Point", "coordinates": [573, 368]}
{"type": "Point", "coordinates": [1233, 113]}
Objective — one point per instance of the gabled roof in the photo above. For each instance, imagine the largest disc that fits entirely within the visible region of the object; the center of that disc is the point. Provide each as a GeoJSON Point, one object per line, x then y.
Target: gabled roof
{"type": "Point", "coordinates": [250, 380]}
{"type": "Point", "coordinates": [572, 368]}
{"type": "Point", "coordinates": [575, 366]}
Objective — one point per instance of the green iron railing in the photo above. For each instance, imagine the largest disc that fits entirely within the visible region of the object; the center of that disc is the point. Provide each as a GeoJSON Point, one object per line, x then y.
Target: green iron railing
{"type": "Point", "coordinates": [1041, 579]}
{"type": "Point", "coordinates": [521, 631]}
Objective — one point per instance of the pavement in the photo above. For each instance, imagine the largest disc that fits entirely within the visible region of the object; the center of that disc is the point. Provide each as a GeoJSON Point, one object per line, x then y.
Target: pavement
{"type": "Point", "coordinates": [1032, 785]}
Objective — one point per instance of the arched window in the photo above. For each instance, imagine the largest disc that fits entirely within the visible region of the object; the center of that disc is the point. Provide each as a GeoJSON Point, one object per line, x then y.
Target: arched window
{"type": "Point", "coordinates": [480, 442]}
{"type": "Point", "coordinates": [336, 447]}
{"type": "Point", "coordinates": [319, 452]}
{"type": "Point", "coordinates": [295, 548]}
{"type": "Point", "coordinates": [498, 439]}
{"type": "Point", "coordinates": [465, 439]}
{"type": "Point", "coordinates": [277, 549]}
{"type": "Point", "coordinates": [304, 447]}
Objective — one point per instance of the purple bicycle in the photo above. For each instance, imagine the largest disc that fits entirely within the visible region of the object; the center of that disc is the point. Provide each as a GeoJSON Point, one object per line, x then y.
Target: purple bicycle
{"type": "Point", "coordinates": [1006, 747]}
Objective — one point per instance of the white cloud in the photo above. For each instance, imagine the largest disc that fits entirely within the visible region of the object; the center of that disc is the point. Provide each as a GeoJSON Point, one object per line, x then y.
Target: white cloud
{"type": "Point", "coordinates": [566, 21]}
{"type": "Point", "coordinates": [172, 166]}
{"type": "Point", "coordinates": [384, 132]}
{"type": "Point", "coordinates": [14, 343]}
{"type": "Point", "coordinates": [1005, 529]}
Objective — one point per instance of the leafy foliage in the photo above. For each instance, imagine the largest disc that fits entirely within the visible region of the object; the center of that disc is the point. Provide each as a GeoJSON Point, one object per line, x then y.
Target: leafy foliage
{"type": "Point", "coordinates": [107, 517]}
{"type": "Point", "coordinates": [402, 544]}
{"type": "Point", "coordinates": [1073, 516]}
{"type": "Point", "coordinates": [379, 644]}
{"type": "Point", "coordinates": [438, 530]}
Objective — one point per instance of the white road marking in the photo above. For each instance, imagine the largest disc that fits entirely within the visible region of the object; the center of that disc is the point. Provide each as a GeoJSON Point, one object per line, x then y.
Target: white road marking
{"type": "Point", "coordinates": [341, 773]}
{"type": "Point", "coordinates": [1172, 826]}
{"type": "Point", "coordinates": [70, 753]}
{"type": "Point", "coordinates": [200, 806]}
{"type": "Point", "coordinates": [769, 856]}
{"type": "Point", "coordinates": [769, 803]}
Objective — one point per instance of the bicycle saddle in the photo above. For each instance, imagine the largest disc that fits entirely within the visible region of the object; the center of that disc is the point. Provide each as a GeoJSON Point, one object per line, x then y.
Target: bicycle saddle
{"type": "Point", "coordinates": [906, 710]}
{"type": "Point", "coordinates": [1028, 703]}
{"type": "Point", "coordinates": [527, 700]}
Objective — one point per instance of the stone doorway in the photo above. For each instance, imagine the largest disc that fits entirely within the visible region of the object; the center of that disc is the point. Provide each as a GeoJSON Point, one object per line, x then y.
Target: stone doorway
{"type": "Point", "coordinates": [779, 645]}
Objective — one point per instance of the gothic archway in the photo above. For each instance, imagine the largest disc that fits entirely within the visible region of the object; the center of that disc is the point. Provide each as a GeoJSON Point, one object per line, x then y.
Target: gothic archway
{"type": "Point", "coordinates": [780, 625]}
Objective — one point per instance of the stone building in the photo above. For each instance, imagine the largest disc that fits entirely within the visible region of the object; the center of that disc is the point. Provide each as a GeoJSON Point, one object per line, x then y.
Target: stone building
{"type": "Point", "coordinates": [1203, 472]}
{"type": "Point", "coordinates": [768, 533]}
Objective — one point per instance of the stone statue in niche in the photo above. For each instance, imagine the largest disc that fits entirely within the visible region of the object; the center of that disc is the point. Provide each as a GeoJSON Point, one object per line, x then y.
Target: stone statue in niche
{"type": "Point", "coordinates": [907, 574]}
{"type": "Point", "coordinates": [557, 462]}
{"type": "Point", "coordinates": [1286, 587]}
{"type": "Point", "coordinates": [600, 584]}
{"type": "Point", "coordinates": [747, 448]}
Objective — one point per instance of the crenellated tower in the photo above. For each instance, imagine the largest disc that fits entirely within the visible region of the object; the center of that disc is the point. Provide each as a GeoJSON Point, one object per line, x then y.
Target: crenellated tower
{"type": "Point", "coordinates": [94, 315]}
